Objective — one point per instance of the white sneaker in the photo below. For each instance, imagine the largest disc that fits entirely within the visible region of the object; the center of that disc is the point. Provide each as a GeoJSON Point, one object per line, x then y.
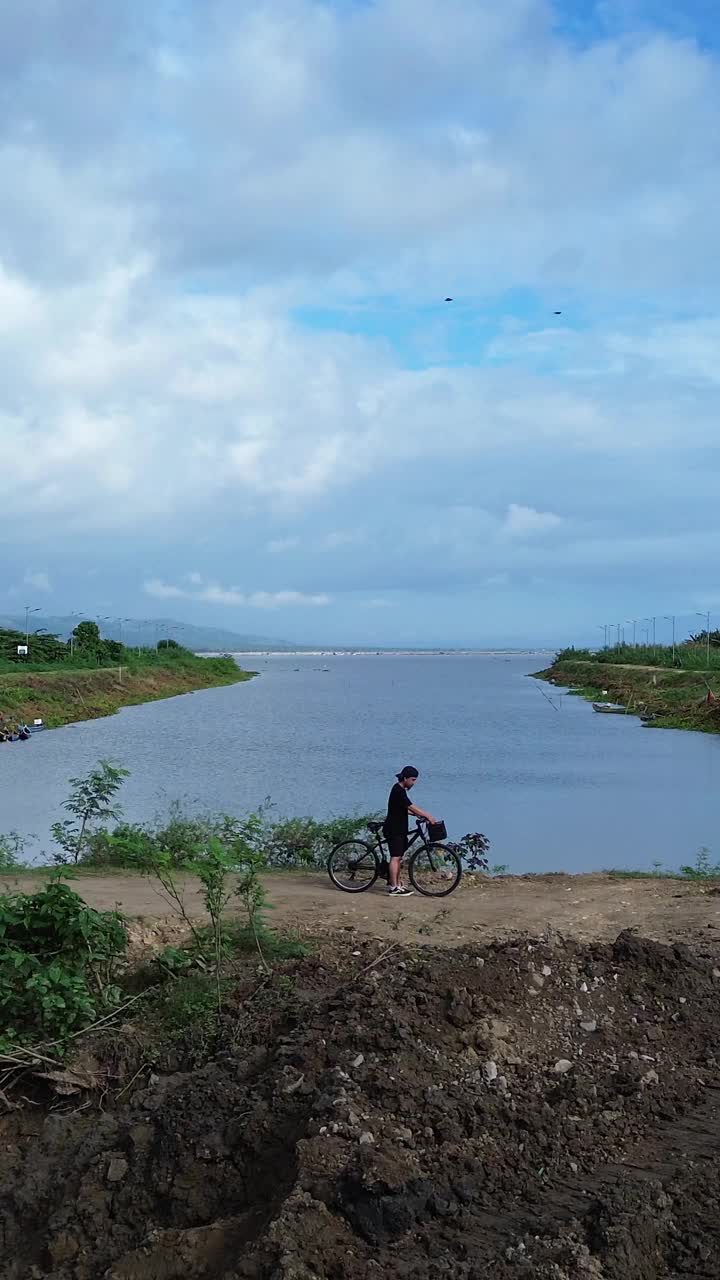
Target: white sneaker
{"type": "Point", "coordinates": [399, 891]}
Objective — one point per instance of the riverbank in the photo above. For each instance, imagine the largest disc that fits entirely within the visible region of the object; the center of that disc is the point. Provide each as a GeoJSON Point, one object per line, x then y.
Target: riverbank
{"type": "Point", "coordinates": [65, 696]}
{"type": "Point", "coordinates": [674, 698]}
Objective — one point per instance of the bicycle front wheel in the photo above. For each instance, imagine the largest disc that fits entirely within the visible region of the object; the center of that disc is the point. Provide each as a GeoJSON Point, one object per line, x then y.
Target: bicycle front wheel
{"type": "Point", "coordinates": [353, 866]}
{"type": "Point", "coordinates": [435, 870]}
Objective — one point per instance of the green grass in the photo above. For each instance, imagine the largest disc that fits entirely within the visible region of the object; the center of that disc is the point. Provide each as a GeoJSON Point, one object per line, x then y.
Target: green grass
{"type": "Point", "coordinates": [239, 937]}
{"type": "Point", "coordinates": [589, 691]}
{"type": "Point", "coordinates": [182, 1006]}
{"type": "Point", "coordinates": [686, 656]}
{"type": "Point", "coordinates": [67, 694]}
{"type": "Point", "coordinates": [702, 869]}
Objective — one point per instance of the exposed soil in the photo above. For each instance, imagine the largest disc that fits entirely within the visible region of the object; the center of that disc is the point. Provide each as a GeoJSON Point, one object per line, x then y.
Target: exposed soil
{"type": "Point", "coordinates": [540, 1109]}
{"type": "Point", "coordinates": [587, 907]}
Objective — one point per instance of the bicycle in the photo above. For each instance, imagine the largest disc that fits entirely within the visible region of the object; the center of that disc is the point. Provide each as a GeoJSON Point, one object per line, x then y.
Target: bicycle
{"type": "Point", "coordinates": [435, 870]}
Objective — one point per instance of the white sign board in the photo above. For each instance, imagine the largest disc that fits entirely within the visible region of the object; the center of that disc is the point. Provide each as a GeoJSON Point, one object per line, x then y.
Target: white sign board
{"type": "Point", "coordinates": [22, 650]}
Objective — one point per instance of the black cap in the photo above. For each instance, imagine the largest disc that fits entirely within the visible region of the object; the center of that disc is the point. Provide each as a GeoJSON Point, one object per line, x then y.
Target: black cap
{"type": "Point", "coordinates": [408, 772]}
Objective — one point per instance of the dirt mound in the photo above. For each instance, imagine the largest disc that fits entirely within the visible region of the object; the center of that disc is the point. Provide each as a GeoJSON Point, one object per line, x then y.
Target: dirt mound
{"type": "Point", "coordinates": [514, 1111]}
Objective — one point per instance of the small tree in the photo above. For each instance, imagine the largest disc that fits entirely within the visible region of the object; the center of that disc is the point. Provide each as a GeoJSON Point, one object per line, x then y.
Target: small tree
{"type": "Point", "coordinates": [253, 896]}
{"type": "Point", "coordinates": [89, 800]}
{"type": "Point", "coordinates": [212, 864]}
{"type": "Point", "coordinates": [87, 638]}
{"type": "Point", "coordinates": [234, 852]}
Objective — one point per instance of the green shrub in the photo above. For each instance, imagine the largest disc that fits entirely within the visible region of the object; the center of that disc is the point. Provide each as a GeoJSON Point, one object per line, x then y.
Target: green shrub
{"type": "Point", "coordinates": [285, 843]}
{"type": "Point", "coordinates": [58, 958]}
{"type": "Point", "coordinates": [703, 868]}
{"type": "Point", "coordinates": [304, 842]}
{"type": "Point", "coordinates": [12, 851]}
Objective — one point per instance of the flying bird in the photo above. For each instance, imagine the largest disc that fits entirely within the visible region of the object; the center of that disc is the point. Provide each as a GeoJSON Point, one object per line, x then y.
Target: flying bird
{"type": "Point", "coordinates": [448, 299]}
{"type": "Point", "coordinates": [558, 313]}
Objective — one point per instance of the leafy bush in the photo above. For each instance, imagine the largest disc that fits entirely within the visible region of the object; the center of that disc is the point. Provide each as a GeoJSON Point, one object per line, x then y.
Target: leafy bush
{"type": "Point", "coordinates": [288, 842]}
{"type": "Point", "coordinates": [703, 868]}
{"type": "Point", "coordinates": [473, 849]}
{"type": "Point", "coordinates": [57, 962]}
{"type": "Point", "coordinates": [304, 842]}
{"type": "Point", "coordinates": [12, 851]}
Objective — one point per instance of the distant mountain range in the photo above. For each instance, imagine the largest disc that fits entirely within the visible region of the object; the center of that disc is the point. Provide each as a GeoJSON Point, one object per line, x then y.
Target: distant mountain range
{"type": "Point", "coordinates": [200, 639]}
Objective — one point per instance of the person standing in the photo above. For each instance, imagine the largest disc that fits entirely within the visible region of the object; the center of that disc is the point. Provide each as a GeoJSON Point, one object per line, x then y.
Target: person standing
{"type": "Point", "coordinates": [395, 826]}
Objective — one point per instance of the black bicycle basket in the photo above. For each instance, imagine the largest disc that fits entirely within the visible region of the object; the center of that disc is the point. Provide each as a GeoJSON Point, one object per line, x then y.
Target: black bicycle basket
{"type": "Point", "coordinates": [436, 831]}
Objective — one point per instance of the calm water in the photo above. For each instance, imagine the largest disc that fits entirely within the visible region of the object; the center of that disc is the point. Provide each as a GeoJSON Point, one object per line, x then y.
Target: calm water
{"type": "Point", "coordinates": [554, 790]}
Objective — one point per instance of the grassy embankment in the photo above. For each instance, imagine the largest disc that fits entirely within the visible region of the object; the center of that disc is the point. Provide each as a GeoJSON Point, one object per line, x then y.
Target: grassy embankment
{"type": "Point", "coordinates": [66, 694]}
{"type": "Point", "coordinates": [646, 683]}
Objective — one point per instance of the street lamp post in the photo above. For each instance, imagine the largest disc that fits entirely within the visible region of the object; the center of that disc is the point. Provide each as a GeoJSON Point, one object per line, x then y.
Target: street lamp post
{"type": "Point", "coordinates": [28, 611]}
{"type": "Point", "coordinates": [706, 619]}
{"type": "Point", "coordinates": [74, 614]}
{"type": "Point", "coordinates": [670, 617]}
{"type": "Point", "coordinates": [102, 617]}
{"type": "Point", "coordinates": [634, 623]}
{"type": "Point", "coordinates": [603, 627]}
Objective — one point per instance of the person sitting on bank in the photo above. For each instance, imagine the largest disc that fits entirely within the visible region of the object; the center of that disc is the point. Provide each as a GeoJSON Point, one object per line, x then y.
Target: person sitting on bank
{"type": "Point", "coordinates": [395, 826]}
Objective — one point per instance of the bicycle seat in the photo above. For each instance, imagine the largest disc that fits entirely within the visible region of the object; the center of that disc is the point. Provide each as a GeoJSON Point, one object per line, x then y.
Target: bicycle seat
{"type": "Point", "coordinates": [375, 826]}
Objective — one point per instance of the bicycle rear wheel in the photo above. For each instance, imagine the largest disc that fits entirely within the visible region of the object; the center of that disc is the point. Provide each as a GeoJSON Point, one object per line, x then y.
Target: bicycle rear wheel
{"type": "Point", "coordinates": [435, 870]}
{"type": "Point", "coordinates": [353, 866]}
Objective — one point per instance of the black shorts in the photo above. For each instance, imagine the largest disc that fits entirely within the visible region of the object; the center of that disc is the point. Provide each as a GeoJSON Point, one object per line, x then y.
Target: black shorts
{"type": "Point", "coordinates": [397, 844]}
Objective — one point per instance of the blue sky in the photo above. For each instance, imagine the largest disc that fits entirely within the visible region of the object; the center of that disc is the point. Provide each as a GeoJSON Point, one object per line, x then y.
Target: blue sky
{"type": "Point", "coordinates": [233, 392]}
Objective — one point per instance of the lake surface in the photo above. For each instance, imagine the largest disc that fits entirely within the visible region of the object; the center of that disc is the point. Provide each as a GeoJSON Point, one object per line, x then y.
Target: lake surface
{"type": "Point", "coordinates": [552, 789]}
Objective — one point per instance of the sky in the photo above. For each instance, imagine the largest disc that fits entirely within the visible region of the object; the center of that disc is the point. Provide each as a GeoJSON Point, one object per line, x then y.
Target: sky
{"type": "Point", "coordinates": [231, 389]}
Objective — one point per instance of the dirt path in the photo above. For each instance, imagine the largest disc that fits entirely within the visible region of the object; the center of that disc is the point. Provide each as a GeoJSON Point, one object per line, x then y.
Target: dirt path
{"type": "Point", "coordinates": [585, 907]}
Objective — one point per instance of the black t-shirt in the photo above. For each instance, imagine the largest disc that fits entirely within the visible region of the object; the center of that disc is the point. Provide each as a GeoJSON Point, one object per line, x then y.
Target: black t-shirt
{"type": "Point", "coordinates": [396, 822]}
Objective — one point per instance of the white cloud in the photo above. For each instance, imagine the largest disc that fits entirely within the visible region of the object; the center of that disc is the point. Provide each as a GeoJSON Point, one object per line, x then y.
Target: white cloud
{"type": "Point", "coordinates": [40, 581]}
{"type": "Point", "coordinates": [276, 546]}
{"type": "Point", "coordinates": [162, 590]}
{"type": "Point", "coordinates": [159, 370]}
{"type": "Point", "coordinates": [276, 599]}
{"type": "Point", "coordinates": [337, 539]}
{"type": "Point", "coordinates": [526, 522]}
{"type": "Point", "coordinates": [213, 593]}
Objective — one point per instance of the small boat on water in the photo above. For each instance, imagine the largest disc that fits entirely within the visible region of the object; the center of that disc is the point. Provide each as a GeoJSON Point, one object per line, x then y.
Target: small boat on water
{"type": "Point", "coordinates": [20, 732]}
{"type": "Point", "coordinates": [609, 708]}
